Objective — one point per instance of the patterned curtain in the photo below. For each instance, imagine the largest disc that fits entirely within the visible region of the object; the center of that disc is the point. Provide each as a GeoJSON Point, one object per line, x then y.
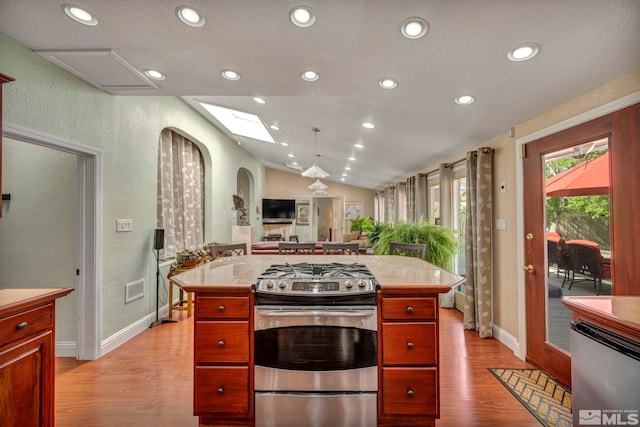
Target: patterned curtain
{"type": "Point", "coordinates": [446, 218]}
{"type": "Point", "coordinates": [478, 295]}
{"type": "Point", "coordinates": [401, 205]}
{"type": "Point", "coordinates": [411, 199]}
{"type": "Point", "coordinates": [180, 193]}
{"type": "Point", "coordinates": [421, 198]}
{"type": "Point", "coordinates": [390, 211]}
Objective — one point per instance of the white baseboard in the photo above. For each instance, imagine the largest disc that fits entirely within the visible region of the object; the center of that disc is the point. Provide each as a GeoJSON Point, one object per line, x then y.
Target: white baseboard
{"type": "Point", "coordinates": [124, 335]}
{"type": "Point", "coordinates": [67, 349]}
{"type": "Point", "coordinates": [508, 340]}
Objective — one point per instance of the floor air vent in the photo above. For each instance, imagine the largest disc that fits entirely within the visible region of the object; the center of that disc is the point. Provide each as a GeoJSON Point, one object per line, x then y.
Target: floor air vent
{"type": "Point", "coordinates": [133, 291]}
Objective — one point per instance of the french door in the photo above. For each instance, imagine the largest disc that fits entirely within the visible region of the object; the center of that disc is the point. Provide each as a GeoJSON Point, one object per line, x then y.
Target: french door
{"type": "Point", "coordinates": [618, 134]}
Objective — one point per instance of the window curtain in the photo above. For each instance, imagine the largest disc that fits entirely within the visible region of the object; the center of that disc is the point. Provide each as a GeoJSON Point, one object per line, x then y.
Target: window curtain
{"type": "Point", "coordinates": [478, 294]}
{"type": "Point", "coordinates": [411, 199]}
{"type": "Point", "coordinates": [180, 193]}
{"type": "Point", "coordinates": [401, 201]}
{"type": "Point", "coordinates": [421, 197]}
{"type": "Point", "coordinates": [390, 210]}
{"type": "Point", "coordinates": [446, 219]}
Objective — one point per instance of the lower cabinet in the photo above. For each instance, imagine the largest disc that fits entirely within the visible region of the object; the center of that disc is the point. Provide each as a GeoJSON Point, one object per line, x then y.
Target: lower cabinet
{"type": "Point", "coordinates": [408, 361]}
{"type": "Point", "coordinates": [27, 356]}
{"type": "Point", "coordinates": [223, 354]}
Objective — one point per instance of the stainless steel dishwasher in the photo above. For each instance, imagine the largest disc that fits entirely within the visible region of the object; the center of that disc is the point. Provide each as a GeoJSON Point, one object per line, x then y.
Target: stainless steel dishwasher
{"type": "Point", "coordinates": [605, 370]}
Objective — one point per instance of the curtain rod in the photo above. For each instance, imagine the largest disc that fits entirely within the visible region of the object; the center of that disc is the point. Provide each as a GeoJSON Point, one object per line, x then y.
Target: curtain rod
{"type": "Point", "coordinates": [464, 159]}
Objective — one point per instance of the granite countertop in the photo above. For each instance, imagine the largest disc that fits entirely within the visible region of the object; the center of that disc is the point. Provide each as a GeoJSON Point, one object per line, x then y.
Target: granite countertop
{"type": "Point", "coordinates": [620, 311]}
{"type": "Point", "coordinates": [13, 300]}
{"type": "Point", "coordinates": [393, 272]}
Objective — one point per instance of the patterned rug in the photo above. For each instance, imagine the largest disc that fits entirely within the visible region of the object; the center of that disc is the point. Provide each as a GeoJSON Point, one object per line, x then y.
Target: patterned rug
{"type": "Point", "coordinates": [547, 400]}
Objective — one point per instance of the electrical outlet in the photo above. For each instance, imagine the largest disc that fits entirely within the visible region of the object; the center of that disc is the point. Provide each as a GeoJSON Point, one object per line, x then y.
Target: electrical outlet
{"type": "Point", "coordinates": [124, 225]}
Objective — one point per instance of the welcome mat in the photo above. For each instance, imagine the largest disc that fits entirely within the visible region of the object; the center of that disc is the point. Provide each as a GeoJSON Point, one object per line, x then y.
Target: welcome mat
{"type": "Point", "coordinates": [547, 400]}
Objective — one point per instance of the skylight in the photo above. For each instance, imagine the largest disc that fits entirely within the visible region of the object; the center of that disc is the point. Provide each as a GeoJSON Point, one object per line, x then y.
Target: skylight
{"type": "Point", "coordinates": [240, 123]}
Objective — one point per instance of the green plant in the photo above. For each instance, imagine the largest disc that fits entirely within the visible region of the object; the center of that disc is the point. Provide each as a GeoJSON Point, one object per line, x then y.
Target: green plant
{"type": "Point", "coordinates": [442, 243]}
{"type": "Point", "coordinates": [362, 224]}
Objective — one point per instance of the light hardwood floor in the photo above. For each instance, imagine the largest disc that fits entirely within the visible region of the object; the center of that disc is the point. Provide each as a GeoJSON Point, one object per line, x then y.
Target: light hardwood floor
{"type": "Point", "coordinates": [148, 381]}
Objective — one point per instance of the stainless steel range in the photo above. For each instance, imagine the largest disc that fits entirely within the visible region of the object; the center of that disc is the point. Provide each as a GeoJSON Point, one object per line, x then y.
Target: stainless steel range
{"type": "Point", "coordinates": [316, 349]}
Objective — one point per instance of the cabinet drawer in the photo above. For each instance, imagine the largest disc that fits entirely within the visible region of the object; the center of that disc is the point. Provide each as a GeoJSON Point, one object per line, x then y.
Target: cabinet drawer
{"type": "Point", "coordinates": [409, 308]}
{"type": "Point", "coordinates": [222, 308]}
{"type": "Point", "coordinates": [409, 344]}
{"type": "Point", "coordinates": [24, 324]}
{"type": "Point", "coordinates": [222, 342]}
{"type": "Point", "coordinates": [410, 391]}
{"type": "Point", "coordinates": [221, 389]}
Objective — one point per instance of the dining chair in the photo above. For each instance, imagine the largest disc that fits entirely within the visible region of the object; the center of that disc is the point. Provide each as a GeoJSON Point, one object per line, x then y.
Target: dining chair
{"type": "Point", "coordinates": [416, 250]}
{"type": "Point", "coordinates": [218, 251]}
{"type": "Point", "coordinates": [292, 248]}
{"type": "Point", "coordinates": [340, 249]}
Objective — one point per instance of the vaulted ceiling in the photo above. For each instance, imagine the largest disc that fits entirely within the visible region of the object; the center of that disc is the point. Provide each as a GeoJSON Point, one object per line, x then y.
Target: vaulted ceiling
{"type": "Point", "coordinates": [352, 45]}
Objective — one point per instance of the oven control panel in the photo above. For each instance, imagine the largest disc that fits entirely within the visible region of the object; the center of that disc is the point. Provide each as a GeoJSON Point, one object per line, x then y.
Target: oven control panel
{"type": "Point", "coordinates": [326, 286]}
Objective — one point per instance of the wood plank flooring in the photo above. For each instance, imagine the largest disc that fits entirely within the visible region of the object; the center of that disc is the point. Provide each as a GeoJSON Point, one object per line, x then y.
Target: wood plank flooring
{"type": "Point", "coordinates": [148, 381]}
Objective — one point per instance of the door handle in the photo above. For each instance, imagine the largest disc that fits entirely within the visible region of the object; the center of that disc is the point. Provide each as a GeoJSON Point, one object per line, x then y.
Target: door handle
{"type": "Point", "coordinates": [529, 268]}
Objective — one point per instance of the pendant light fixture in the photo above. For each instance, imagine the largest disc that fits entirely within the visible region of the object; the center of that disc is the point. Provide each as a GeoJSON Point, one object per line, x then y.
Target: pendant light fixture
{"type": "Point", "coordinates": [315, 171]}
{"type": "Point", "coordinates": [319, 187]}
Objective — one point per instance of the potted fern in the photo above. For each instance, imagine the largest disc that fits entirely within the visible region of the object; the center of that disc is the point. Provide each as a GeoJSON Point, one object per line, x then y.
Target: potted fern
{"type": "Point", "coordinates": [442, 244]}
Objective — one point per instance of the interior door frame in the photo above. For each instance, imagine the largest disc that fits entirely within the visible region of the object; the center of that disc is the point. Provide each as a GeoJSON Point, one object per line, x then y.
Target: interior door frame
{"type": "Point", "coordinates": [520, 349]}
{"type": "Point", "coordinates": [89, 244]}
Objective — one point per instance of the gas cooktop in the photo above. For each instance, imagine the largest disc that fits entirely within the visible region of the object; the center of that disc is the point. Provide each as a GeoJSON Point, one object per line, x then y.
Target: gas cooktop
{"type": "Point", "coordinates": [316, 280]}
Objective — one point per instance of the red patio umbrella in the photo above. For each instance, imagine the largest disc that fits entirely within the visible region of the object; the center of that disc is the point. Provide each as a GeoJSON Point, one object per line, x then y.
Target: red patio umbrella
{"type": "Point", "coordinates": [590, 178]}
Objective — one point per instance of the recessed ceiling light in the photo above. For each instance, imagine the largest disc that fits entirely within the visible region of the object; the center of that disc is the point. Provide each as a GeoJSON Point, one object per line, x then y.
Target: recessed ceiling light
{"type": "Point", "coordinates": [284, 144]}
{"type": "Point", "coordinates": [464, 99]}
{"type": "Point", "coordinates": [302, 16]}
{"type": "Point", "coordinates": [342, 179]}
{"type": "Point", "coordinates": [353, 159]}
{"type": "Point", "coordinates": [230, 75]}
{"type": "Point", "coordinates": [259, 100]}
{"type": "Point", "coordinates": [358, 145]}
{"type": "Point", "coordinates": [523, 52]}
{"type": "Point", "coordinates": [344, 174]}
{"type": "Point", "coordinates": [368, 125]}
{"type": "Point", "coordinates": [79, 15]}
{"type": "Point", "coordinates": [388, 83]}
{"type": "Point", "coordinates": [347, 168]}
{"type": "Point", "coordinates": [274, 127]}
{"type": "Point", "coordinates": [414, 28]}
{"type": "Point", "coordinates": [153, 74]}
{"type": "Point", "coordinates": [310, 76]}
{"type": "Point", "coordinates": [290, 155]}
{"type": "Point", "coordinates": [295, 163]}
{"type": "Point", "coordinates": [190, 16]}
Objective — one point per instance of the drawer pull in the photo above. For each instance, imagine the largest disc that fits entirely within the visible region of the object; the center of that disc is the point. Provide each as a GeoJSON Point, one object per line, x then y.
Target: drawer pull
{"type": "Point", "coordinates": [221, 308]}
{"type": "Point", "coordinates": [221, 343]}
{"type": "Point", "coordinates": [410, 310]}
{"type": "Point", "coordinates": [22, 325]}
{"type": "Point", "coordinates": [220, 390]}
{"type": "Point", "coordinates": [410, 393]}
{"type": "Point", "coordinates": [410, 345]}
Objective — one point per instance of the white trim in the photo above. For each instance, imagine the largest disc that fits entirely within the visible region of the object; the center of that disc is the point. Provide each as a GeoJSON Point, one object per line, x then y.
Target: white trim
{"type": "Point", "coordinates": [89, 286]}
{"type": "Point", "coordinates": [66, 349]}
{"type": "Point", "coordinates": [507, 339]}
{"type": "Point", "coordinates": [603, 110]}
{"type": "Point", "coordinates": [124, 335]}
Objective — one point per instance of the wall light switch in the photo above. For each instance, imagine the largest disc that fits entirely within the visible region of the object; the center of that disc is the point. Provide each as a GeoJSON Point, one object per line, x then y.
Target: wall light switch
{"type": "Point", "coordinates": [501, 224]}
{"type": "Point", "coordinates": [124, 225]}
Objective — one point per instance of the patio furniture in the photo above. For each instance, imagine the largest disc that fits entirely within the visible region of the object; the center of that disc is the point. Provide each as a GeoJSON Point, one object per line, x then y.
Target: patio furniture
{"type": "Point", "coordinates": [586, 260]}
{"type": "Point", "coordinates": [558, 255]}
{"type": "Point", "coordinates": [416, 250]}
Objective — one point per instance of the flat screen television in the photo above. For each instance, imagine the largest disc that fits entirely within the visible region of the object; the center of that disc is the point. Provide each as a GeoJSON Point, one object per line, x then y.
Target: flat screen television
{"type": "Point", "coordinates": [278, 209]}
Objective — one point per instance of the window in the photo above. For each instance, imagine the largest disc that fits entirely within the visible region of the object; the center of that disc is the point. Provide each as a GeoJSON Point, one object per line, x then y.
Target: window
{"type": "Point", "coordinates": [180, 193]}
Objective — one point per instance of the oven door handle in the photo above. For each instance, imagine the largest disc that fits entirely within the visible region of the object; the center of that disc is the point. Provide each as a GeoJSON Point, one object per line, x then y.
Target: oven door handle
{"type": "Point", "coordinates": [315, 313]}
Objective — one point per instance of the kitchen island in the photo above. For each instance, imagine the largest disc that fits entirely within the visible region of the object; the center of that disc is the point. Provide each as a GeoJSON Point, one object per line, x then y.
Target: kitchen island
{"type": "Point", "coordinates": [407, 338]}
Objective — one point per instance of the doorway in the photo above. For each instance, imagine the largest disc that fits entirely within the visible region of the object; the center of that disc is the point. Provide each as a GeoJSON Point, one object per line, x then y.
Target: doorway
{"type": "Point", "coordinates": [88, 244]}
{"type": "Point", "coordinates": [612, 135]}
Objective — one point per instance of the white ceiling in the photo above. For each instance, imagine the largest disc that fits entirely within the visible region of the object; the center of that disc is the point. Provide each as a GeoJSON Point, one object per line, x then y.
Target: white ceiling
{"type": "Point", "coordinates": [352, 44]}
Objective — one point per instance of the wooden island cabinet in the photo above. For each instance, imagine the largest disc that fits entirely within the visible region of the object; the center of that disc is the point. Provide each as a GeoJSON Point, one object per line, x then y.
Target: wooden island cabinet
{"type": "Point", "coordinates": [27, 356]}
{"type": "Point", "coordinates": [408, 349]}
